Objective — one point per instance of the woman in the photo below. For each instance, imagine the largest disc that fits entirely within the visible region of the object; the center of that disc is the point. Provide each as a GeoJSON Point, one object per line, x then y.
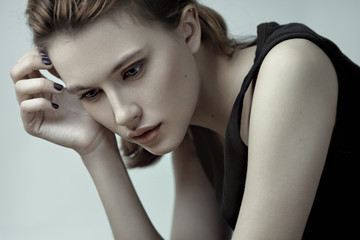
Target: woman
{"type": "Point", "coordinates": [262, 131]}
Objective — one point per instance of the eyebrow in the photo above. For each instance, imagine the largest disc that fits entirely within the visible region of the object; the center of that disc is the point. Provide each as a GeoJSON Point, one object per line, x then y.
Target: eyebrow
{"type": "Point", "coordinates": [122, 62]}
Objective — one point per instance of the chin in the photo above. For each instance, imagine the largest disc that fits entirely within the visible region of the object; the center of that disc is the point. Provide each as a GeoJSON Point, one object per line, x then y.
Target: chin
{"type": "Point", "coordinates": [159, 151]}
{"type": "Point", "coordinates": [163, 147]}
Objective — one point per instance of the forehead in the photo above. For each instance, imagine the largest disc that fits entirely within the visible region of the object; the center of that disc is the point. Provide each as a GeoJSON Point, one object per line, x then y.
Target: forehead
{"type": "Point", "coordinates": [89, 52]}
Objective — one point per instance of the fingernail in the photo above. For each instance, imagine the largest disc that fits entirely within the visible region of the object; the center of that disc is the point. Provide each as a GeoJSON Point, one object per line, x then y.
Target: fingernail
{"type": "Point", "coordinates": [58, 87]}
{"type": "Point", "coordinates": [46, 61]}
{"type": "Point", "coordinates": [43, 54]}
{"type": "Point", "coordinates": [54, 105]}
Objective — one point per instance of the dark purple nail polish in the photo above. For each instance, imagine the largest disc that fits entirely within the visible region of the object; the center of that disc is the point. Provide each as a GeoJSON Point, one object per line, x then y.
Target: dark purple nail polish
{"type": "Point", "coordinates": [43, 54]}
{"type": "Point", "coordinates": [58, 87]}
{"type": "Point", "coordinates": [46, 61]}
{"type": "Point", "coordinates": [54, 105]}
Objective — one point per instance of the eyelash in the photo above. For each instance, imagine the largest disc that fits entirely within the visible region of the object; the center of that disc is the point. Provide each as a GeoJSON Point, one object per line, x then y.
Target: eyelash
{"type": "Point", "coordinates": [91, 98]}
{"type": "Point", "coordinates": [138, 67]}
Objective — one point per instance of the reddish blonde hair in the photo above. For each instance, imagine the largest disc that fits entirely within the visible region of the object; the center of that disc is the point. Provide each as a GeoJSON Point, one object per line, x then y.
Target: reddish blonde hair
{"type": "Point", "coordinates": [46, 17]}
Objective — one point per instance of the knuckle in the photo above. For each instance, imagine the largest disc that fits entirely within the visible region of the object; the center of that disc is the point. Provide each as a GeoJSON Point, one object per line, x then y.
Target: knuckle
{"type": "Point", "coordinates": [23, 107]}
{"type": "Point", "coordinates": [43, 103]}
{"type": "Point", "coordinates": [30, 130]}
{"type": "Point", "coordinates": [18, 86]}
{"type": "Point", "coordinates": [13, 73]}
{"type": "Point", "coordinates": [43, 83]}
{"type": "Point", "coordinates": [32, 63]}
{"type": "Point", "coordinates": [34, 51]}
{"type": "Point", "coordinates": [31, 52]}
{"type": "Point", "coordinates": [29, 63]}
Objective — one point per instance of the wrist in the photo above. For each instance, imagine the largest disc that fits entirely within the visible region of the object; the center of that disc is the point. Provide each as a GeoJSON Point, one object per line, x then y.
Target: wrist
{"type": "Point", "coordinates": [103, 145]}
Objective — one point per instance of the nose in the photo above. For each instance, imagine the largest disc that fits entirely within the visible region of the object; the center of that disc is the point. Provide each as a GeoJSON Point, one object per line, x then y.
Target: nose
{"type": "Point", "coordinates": [126, 113]}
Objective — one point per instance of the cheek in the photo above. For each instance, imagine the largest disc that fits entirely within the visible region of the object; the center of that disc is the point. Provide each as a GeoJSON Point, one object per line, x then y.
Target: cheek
{"type": "Point", "coordinates": [180, 92]}
{"type": "Point", "coordinates": [179, 84]}
{"type": "Point", "coordinates": [183, 91]}
{"type": "Point", "coordinates": [171, 97]}
{"type": "Point", "coordinates": [101, 113]}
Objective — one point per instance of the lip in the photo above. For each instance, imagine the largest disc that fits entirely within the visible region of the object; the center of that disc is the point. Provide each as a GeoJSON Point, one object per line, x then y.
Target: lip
{"type": "Point", "coordinates": [145, 135]}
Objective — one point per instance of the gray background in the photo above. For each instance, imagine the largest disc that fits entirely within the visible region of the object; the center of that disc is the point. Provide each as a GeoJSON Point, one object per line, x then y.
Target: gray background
{"type": "Point", "coordinates": [46, 192]}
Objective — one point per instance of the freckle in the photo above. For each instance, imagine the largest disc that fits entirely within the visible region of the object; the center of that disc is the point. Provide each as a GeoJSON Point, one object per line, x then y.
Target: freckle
{"type": "Point", "coordinates": [185, 76]}
{"type": "Point", "coordinates": [212, 116]}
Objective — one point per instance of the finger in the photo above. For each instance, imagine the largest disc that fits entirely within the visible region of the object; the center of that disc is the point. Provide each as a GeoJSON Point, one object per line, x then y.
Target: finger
{"type": "Point", "coordinates": [25, 88]}
{"type": "Point", "coordinates": [36, 105]}
{"type": "Point", "coordinates": [54, 72]}
{"type": "Point", "coordinates": [31, 108]}
{"type": "Point", "coordinates": [29, 53]}
{"type": "Point", "coordinates": [29, 65]}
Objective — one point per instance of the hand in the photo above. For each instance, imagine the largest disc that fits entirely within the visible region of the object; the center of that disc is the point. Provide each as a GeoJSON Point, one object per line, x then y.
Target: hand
{"type": "Point", "coordinates": [48, 111]}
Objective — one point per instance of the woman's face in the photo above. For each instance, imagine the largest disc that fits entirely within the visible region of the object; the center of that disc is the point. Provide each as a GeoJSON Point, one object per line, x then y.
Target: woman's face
{"type": "Point", "coordinates": [140, 82]}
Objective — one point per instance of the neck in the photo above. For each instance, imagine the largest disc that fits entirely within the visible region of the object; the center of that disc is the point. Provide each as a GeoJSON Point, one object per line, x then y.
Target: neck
{"type": "Point", "coordinates": [221, 80]}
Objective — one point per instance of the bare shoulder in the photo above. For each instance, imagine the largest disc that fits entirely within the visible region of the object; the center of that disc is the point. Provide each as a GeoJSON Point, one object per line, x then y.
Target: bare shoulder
{"type": "Point", "coordinates": [295, 102]}
{"type": "Point", "coordinates": [300, 59]}
{"type": "Point", "coordinates": [292, 117]}
{"type": "Point", "coordinates": [296, 75]}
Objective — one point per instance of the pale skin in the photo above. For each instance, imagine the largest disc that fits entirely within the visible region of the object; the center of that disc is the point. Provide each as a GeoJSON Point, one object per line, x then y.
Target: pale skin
{"type": "Point", "coordinates": [175, 80]}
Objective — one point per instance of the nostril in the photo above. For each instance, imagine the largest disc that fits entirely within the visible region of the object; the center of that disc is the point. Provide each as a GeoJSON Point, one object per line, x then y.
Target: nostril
{"type": "Point", "coordinates": [126, 113]}
{"type": "Point", "coordinates": [126, 118]}
{"type": "Point", "coordinates": [136, 111]}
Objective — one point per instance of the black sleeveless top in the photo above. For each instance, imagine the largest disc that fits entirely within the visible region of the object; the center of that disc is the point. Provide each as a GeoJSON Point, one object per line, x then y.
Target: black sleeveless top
{"type": "Point", "coordinates": [333, 213]}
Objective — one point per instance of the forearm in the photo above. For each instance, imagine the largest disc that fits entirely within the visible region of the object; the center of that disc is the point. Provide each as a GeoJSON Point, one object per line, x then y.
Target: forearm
{"type": "Point", "coordinates": [125, 212]}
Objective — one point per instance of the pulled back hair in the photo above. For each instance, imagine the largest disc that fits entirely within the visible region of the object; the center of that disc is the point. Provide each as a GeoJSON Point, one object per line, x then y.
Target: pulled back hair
{"type": "Point", "coordinates": [45, 17]}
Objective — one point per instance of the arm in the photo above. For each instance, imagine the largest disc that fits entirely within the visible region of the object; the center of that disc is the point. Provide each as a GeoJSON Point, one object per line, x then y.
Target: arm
{"type": "Point", "coordinates": [292, 118]}
{"type": "Point", "coordinates": [69, 125]}
{"type": "Point", "coordinates": [196, 214]}
{"type": "Point", "coordinates": [124, 210]}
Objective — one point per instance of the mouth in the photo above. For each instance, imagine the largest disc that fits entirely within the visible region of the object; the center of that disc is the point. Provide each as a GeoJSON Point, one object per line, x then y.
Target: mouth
{"type": "Point", "coordinates": [145, 135]}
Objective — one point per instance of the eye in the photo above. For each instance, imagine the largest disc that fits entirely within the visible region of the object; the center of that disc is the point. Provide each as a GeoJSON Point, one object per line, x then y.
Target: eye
{"type": "Point", "coordinates": [90, 95]}
{"type": "Point", "coordinates": [133, 72]}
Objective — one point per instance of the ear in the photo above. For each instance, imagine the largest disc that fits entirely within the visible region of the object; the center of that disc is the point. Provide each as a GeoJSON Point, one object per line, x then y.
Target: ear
{"type": "Point", "coordinates": [189, 28]}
